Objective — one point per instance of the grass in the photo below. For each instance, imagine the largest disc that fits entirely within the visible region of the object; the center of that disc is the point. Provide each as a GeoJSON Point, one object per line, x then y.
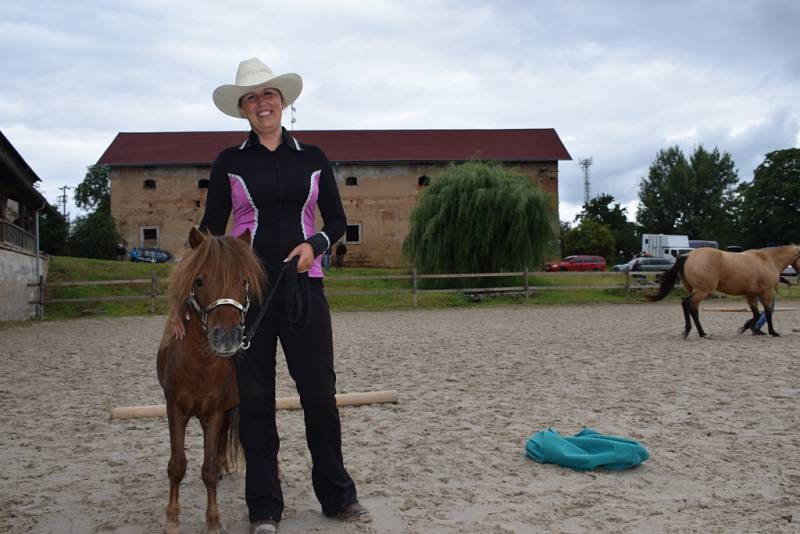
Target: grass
{"type": "Point", "coordinates": [389, 294]}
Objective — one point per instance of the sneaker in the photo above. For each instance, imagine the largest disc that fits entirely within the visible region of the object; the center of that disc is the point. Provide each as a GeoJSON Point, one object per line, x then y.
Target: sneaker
{"type": "Point", "coordinates": [264, 526]}
{"type": "Point", "coordinates": [354, 513]}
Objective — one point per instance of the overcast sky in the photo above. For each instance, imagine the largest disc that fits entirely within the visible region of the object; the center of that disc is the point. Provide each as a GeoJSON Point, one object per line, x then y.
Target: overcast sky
{"type": "Point", "coordinates": [618, 80]}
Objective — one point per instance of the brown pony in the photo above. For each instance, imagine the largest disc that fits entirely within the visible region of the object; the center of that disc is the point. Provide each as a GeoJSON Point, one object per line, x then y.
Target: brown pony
{"type": "Point", "coordinates": [211, 288]}
{"type": "Point", "coordinates": [753, 273]}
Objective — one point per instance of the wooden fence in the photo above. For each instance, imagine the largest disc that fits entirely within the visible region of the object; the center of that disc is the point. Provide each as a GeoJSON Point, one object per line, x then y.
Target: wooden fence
{"type": "Point", "coordinates": [629, 281]}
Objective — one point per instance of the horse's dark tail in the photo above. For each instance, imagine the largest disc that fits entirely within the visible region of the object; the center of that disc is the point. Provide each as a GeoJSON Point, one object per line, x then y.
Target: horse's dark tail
{"type": "Point", "coordinates": [668, 279]}
{"type": "Point", "coordinates": [233, 451]}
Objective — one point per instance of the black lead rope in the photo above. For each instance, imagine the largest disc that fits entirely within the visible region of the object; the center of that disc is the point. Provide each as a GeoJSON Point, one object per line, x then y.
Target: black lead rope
{"type": "Point", "coordinates": [297, 302]}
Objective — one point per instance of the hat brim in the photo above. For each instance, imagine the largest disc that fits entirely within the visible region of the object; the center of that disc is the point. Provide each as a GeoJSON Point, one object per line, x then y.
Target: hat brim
{"type": "Point", "coordinates": [226, 97]}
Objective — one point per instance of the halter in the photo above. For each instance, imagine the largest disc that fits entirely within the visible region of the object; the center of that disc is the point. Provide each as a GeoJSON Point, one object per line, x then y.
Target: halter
{"type": "Point", "coordinates": [203, 313]}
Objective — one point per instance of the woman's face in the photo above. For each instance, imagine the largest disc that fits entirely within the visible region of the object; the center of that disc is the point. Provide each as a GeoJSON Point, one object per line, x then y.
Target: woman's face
{"type": "Point", "coordinates": [263, 109]}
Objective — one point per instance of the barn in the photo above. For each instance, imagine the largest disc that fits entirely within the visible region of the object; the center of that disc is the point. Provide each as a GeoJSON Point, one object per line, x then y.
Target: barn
{"type": "Point", "coordinates": [159, 180]}
{"type": "Point", "coordinates": [20, 263]}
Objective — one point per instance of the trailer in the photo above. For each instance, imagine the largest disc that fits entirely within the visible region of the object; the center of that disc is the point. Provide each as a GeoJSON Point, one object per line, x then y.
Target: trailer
{"type": "Point", "coordinates": [662, 245]}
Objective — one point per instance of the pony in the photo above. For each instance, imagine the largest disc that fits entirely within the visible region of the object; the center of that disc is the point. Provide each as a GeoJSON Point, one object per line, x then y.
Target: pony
{"type": "Point", "coordinates": [211, 289]}
{"type": "Point", "coordinates": [753, 273]}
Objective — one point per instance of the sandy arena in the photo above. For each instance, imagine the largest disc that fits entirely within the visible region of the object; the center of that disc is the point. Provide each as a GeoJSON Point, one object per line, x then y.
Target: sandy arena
{"type": "Point", "coordinates": [720, 417]}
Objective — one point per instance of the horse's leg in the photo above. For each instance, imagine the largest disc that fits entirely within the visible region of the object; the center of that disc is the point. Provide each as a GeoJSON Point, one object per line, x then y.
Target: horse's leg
{"type": "Point", "coordinates": [750, 324]}
{"type": "Point", "coordinates": [176, 468]}
{"type": "Point", "coordinates": [694, 307]}
{"type": "Point", "coordinates": [211, 436]}
{"type": "Point", "coordinates": [686, 304]}
{"type": "Point", "coordinates": [769, 306]}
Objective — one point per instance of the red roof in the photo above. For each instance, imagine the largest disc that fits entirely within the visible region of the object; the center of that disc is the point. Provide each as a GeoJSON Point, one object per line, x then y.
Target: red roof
{"type": "Point", "coordinates": [201, 148]}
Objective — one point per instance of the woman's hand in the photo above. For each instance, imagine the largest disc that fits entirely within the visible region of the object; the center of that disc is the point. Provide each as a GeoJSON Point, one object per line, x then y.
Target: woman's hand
{"type": "Point", "coordinates": [306, 253]}
{"type": "Point", "coordinates": [176, 324]}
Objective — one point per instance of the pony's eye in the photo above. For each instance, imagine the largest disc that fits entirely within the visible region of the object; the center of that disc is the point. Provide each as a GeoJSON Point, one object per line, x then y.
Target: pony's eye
{"type": "Point", "coordinates": [198, 281]}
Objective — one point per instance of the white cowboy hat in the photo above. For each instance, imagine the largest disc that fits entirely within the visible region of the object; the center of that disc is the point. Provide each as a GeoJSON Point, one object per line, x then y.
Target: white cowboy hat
{"type": "Point", "coordinates": [252, 75]}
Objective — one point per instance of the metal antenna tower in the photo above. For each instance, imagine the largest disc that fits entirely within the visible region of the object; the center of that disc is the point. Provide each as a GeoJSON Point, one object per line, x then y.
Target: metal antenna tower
{"type": "Point", "coordinates": [585, 164]}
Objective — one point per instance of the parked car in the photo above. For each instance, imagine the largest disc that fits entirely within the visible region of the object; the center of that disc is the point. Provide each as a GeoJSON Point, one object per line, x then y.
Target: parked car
{"type": "Point", "coordinates": [150, 255]}
{"type": "Point", "coordinates": [789, 271]}
{"type": "Point", "coordinates": [645, 264]}
{"type": "Point", "coordinates": [578, 263]}
{"type": "Point", "coordinates": [734, 248]}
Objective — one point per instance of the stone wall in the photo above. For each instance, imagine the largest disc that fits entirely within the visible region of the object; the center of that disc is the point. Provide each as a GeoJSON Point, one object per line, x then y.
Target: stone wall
{"type": "Point", "coordinates": [172, 207]}
{"type": "Point", "coordinates": [17, 270]}
{"type": "Point", "coordinates": [384, 196]}
{"type": "Point", "coordinates": [379, 205]}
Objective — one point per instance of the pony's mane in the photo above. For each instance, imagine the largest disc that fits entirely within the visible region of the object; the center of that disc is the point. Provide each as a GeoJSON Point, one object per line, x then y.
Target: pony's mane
{"type": "Point", "coordinates": [224, 261]}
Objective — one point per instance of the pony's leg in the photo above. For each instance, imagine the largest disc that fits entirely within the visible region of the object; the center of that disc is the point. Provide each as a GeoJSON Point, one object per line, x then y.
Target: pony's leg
{"type": "Point", "coordinates": [695, 299]}
{"type": "Point", "coordinates": [176, 468]}
{"type": "Point", "coordinates": [751, 323]}
{"type": "Point", "coordinates": [211, 436]}
{"type": "Point", "coordinates": [222, 447]}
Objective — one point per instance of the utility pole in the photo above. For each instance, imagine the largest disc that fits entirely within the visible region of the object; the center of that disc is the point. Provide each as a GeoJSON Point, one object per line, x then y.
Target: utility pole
{"type": "Point", "coordinates": [293, 119]}
{"type": "Point", "coordinates": [585, 164]}
{"type": "Point", "coordinates": [63, 200]}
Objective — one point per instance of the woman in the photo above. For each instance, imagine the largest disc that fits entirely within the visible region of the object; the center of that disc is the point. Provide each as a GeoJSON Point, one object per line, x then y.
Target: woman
{"type": "Point", "coordinates": [273, 184]}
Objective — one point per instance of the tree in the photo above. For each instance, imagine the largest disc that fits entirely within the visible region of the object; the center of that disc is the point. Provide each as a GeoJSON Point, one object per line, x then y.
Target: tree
{"type": "Point", "coordinates": [769, 213]}
{"type": "Point", "coordinates": [479, 217]}
{"type": "Point", "coordinates": [691, 197]}
{"type": "Point", "coordinates": [95, 189]}
{"type": "Point", "coordinates": [624, 232]}
{"type": "Point", "coordinates": [94, 235]}
{"type": "Point", "coordinates": [589, 237]}
{"type": "Point", "coordinates": [662, 193]}
{"type": "Point", "coordinates": [53, 232]}
{"type": "Point", "coordinates": [711, 187]}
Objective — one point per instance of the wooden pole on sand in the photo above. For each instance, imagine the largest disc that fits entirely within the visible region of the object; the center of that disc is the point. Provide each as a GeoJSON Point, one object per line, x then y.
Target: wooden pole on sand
{"type": "Point", "coordinates": [741, 309]}
{"type": "Point", "coordinates": [281, 403]}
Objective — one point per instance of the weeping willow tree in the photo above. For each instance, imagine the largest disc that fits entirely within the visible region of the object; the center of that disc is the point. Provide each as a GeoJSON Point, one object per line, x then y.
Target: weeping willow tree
{"type": "Point", "coordinates": [479, 217]}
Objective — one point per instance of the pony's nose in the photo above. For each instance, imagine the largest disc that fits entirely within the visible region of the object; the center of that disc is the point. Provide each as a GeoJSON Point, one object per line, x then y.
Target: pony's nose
{"type": "Point", "coordinates": [225, 341]}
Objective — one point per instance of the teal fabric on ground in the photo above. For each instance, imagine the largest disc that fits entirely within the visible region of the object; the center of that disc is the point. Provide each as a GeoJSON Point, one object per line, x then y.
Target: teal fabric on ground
{"type": "Point", "coordinates": [585, 451]}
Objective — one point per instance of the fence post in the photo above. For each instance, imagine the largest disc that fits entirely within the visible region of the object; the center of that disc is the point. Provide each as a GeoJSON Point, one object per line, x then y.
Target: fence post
{"type": "Point", "coordinates": [153, 286]}
{"type": "Point", "coordinates": [414, 285]}
{"type": "Point", "coordinates": [627, 282]}
{"type": "Point", "coordinates": [526, 282]}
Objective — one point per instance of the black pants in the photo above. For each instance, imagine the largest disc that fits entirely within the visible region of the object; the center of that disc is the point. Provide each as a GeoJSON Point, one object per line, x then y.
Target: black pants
{"type": "Point", "coordinates": [309, 357]}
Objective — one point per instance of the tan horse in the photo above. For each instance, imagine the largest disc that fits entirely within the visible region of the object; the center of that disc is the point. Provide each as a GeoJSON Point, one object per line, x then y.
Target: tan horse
{"type": "Point", "coordinates": [753, 273]}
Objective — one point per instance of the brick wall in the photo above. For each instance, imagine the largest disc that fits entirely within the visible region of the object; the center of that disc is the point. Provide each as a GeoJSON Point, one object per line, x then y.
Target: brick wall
{"type": "Point", "coordinates": [380, 204]}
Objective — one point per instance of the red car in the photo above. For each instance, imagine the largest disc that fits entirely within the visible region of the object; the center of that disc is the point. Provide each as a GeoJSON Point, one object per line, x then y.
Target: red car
{"type": "Point", "coordinates": [578, 263]}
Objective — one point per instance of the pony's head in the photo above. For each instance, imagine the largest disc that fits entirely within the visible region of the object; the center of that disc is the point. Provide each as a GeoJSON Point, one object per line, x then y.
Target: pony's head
{"type": "Point", "coordinates": [215, 281]}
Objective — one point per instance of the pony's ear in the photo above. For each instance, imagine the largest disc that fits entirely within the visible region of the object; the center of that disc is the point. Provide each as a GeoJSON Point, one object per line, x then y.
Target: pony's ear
{"type": "Point", "coordinates": [245, 236]}
{"type": "Point", "coordinates": [196, 237]}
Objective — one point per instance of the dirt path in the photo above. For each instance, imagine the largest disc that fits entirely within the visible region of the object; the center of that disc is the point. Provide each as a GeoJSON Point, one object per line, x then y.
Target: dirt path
{"type": "Point", "coordinates": [719, 416]}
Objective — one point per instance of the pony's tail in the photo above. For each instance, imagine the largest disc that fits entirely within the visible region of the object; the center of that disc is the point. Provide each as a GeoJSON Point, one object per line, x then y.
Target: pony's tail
{"type": "Point", "coordinates": [233, 452]}
{"type": "Point", "coordinates": [668, 279]}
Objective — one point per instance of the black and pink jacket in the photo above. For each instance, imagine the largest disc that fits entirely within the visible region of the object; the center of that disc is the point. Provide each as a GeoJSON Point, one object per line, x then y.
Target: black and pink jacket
{"type": "Point", "coordinates": [275, 195]}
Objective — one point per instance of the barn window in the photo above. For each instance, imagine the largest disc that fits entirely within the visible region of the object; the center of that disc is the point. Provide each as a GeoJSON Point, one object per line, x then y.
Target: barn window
{"type": "Point", "coordinates": [351, 180]}
{"type": "Point", "coordinates": [149, 184]}
{"type": "Point", "coordinates": [423, 181]}
{"type": "Point", "coordinates": [353, 234]}
{"type": "Point", "coordinates": [202, 183]}
{"type": "Point", "coordinates": [150, 237]}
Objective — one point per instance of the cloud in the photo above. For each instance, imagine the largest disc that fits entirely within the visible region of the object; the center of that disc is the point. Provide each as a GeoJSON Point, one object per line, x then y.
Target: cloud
{"type": "Point", "coordinates": [618, 80]}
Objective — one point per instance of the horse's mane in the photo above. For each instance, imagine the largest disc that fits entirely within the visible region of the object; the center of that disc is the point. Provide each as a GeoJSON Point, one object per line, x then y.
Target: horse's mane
{"type": "Point", "coordinates": [224, 261]}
